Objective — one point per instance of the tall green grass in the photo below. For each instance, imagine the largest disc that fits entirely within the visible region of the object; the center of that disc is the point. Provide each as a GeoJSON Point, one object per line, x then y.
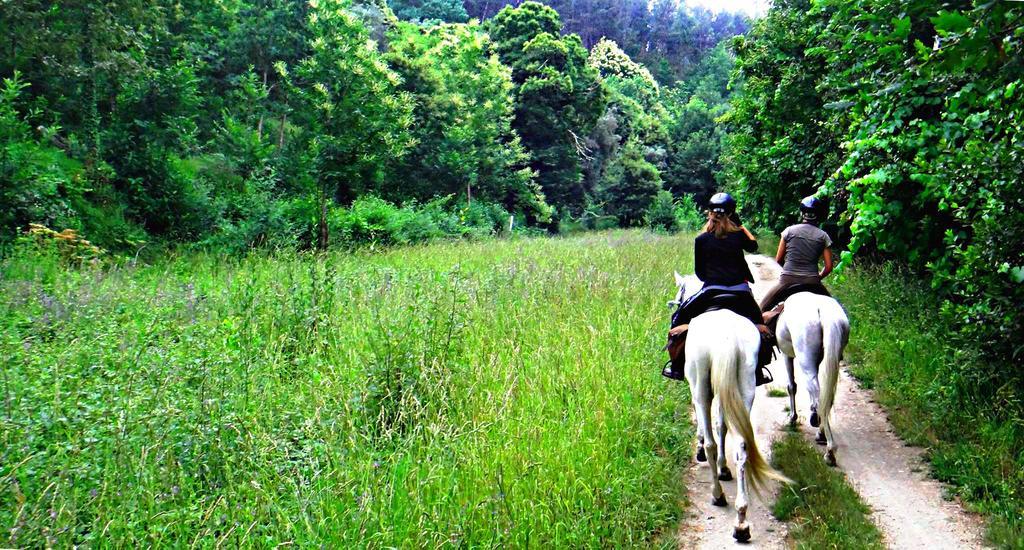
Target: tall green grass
{"type": "Point", "coordinates": [487, 394]}
{"type": "Point", "coordinates": [940, 393]}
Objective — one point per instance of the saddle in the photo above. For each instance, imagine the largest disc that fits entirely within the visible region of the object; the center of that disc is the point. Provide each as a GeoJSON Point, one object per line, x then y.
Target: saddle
{"type": "Point", "coordinates": [777, 305]}
{"type": "Point", "coordinates": [736, 302]}
{"type": "Point", "coordinates": [782, 295]}
{"type": "Point", "coordinates": [731, 301]}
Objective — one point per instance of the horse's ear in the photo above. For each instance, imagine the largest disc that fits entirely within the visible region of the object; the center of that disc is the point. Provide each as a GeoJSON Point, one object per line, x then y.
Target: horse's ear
{"type": "Point", "coordinates": [679, 279]}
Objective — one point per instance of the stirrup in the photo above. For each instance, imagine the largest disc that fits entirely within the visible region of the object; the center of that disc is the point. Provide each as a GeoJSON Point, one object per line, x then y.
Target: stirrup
{"type": "Point", "coordinates": [668, 372]}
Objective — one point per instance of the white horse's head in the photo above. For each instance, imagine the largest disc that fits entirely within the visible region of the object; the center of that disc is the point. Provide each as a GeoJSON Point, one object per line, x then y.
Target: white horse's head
{"type": "Point", "coordinates": [687, 287]}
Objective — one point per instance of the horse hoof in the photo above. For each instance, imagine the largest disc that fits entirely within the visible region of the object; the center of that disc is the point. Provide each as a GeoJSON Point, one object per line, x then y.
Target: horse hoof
{"type": "Point", "coordinates": [741, 534]}
{"type": "Point", "coordinates": [815, 421]}
{"type": "Point", "coordinates": [701, 455]}
{"type": "Point", "coordinates": [792, 421]}
{"type": "Point", "coordinates": [725, 475]}
{"type": "Point", "coordinates": [830, 458]}
{"type": "Point", "coordinates": [718, 501]}
{"type": "Point", "coordinates": [820, 439]}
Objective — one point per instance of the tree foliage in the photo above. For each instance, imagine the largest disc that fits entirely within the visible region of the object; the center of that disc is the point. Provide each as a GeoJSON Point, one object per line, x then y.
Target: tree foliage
{"type": "Point", "coordinates": [355, 124]}
{"type": "Point", "coordinates": [559, 96]}
{"type": "Point", "coordinates": [907, 116]}
{"type": "Point", "coordinates": [259, 122]}
{"type": "Point", "coordinates": [462, 121]}
{"type": "Point", "coordinates": [669, 38]}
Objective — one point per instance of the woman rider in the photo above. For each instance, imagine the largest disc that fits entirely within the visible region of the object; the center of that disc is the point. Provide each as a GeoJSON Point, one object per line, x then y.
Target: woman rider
{"type": "Point", "coordinates": [800, 248]}
{"type": "Point", "coordinates": [719, 263]}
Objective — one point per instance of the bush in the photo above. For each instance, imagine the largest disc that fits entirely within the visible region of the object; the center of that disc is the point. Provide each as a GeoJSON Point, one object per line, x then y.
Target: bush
{"type": "Point", "coordinates": [662, 213]}
{"type": "Point", "coordinates": [372, 220]}
{"type": "Point", "coordinates": [688, 215]}
{"type": "Point", "coordinates": [37, 181]}
{"type": "Point", "coordinates": [255, 218]}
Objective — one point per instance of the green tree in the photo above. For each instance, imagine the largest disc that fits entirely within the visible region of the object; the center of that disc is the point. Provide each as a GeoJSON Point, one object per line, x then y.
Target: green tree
{"type": "Point", "coordinates": [447, 11]}
{"type": "Point", "coordinates": [608, 58]}
{"type": "Point", "coordinates": [903, 115]}
{"type": "Point", "coordinates": [355, 117]}
{"type": "Point", "coordinates": [782, 140]}
{"type": "Point", "coordinates": [462, 121]}
{"type": "Point", "coordinates": [558, 100]}
{"type": "Point", "coordinates": [630, 186]}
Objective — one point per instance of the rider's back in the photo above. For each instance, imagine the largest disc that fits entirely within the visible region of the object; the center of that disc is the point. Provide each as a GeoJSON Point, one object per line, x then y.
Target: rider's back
{"type": "Point", "coordinates": [805, 243]}
{"type": "Point", "coordinates": [719, 261]}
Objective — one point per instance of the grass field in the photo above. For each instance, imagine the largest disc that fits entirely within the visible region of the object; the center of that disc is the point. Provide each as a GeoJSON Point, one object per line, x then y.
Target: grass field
{"type": "Point", "coordinates": [477, 393]}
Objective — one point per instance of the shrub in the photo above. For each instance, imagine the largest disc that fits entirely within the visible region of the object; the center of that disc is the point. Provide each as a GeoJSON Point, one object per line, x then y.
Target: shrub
{"type": "Point", "coordinates": [688, 215]}
{"type": "Point", "coordinates": [255, 218]}
{"type": "Point", "coordinates": [372, 220]}
{"type": "Point", "coordinates": [662, 213]}
{"type": "Point", "coordinates": [72, 248]}
{"type": "Point", "coordinates": [37, 181]}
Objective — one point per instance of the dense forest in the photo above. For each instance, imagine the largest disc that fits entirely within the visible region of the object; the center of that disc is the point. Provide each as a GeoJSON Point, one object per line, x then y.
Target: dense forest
{"type": "Point", "coordinates": [306, 124]}
{"type": "Point", "coordinates": [908, 116]}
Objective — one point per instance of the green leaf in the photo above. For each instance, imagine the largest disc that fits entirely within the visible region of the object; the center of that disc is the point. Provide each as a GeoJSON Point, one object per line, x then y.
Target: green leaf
{"type": "Point", "coordinates": [950, 22]}
{"type": "Point", "coordinates": [901, 27]}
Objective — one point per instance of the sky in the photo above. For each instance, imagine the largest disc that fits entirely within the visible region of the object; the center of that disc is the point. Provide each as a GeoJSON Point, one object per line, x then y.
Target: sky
{"type": "Point", "coordinates": [751, 7]}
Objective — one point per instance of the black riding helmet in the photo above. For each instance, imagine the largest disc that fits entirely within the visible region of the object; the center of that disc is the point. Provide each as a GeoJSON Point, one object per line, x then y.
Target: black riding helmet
{"type": "Point", "coordinates": [722, 203]}
{"type": "Point", "coordinates": [810, 208]}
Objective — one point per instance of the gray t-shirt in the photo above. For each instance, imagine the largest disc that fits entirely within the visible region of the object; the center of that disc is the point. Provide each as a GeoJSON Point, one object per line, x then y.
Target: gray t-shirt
{"type": "Point", "coordinates": [805, 243]}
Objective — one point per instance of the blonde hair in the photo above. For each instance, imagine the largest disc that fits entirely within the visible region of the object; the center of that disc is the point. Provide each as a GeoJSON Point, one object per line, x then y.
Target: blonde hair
{"type": "Point", "coordinates": [720, 224]}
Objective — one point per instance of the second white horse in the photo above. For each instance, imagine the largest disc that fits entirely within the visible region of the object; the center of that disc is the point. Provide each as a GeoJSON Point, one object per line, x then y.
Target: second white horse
{"type": "Point", "coordinates": [812, 332]}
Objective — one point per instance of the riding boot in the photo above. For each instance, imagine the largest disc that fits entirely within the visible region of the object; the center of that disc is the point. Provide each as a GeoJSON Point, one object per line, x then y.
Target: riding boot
{"type": "Point", "coordinates": [765, 356]}
{"type": "Point", "coordinates": [677, 357]}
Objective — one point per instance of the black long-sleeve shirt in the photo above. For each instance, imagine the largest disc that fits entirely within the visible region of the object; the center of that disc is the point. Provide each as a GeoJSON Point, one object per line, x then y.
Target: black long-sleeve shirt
{"type": "Point", "coordinates": [720, 261]}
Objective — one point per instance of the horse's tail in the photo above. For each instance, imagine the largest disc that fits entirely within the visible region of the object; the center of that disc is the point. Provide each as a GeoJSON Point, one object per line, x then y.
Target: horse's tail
{"type": "Point", "coordinates": [725, 370]}
{"type": "Point", "coordinates": [835, 329]}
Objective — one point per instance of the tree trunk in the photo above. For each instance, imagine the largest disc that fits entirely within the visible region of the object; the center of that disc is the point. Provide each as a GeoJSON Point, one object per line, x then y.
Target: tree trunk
{"type": "Point", "coordinates": [259, 127]}
{"type": "Point", "coordinates": [280, 131]}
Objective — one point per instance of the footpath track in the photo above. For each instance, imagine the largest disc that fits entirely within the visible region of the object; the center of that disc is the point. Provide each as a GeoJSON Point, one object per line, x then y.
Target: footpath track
{"type": "Point", "coordinates": [890, 476]}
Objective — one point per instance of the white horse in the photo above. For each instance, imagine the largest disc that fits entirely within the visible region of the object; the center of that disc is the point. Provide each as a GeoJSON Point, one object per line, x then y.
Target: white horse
{"type": "Point", "coordinates": [812, 332]}
{"type": "Point", "coordinates": [721, 357]}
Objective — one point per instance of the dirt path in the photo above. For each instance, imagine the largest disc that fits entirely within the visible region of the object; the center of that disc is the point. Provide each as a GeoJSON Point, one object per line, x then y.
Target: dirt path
{"type": "Point", "coordinates": [890, 476]}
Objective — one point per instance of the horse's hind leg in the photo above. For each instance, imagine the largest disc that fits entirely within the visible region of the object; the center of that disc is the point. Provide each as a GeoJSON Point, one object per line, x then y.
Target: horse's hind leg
{"type": "Point", "coordinates": [702, 406]}
{"type": "Point", "coordinates": [830, 449]}
{"type": "Point", "coordinates": [741, 531]}
{"type": "Point", "coordinates": [720, 428]}
{"type": "Point", "coordinates": [809, 366]}
{"type": "Point", "coordinates": [791, 389]}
